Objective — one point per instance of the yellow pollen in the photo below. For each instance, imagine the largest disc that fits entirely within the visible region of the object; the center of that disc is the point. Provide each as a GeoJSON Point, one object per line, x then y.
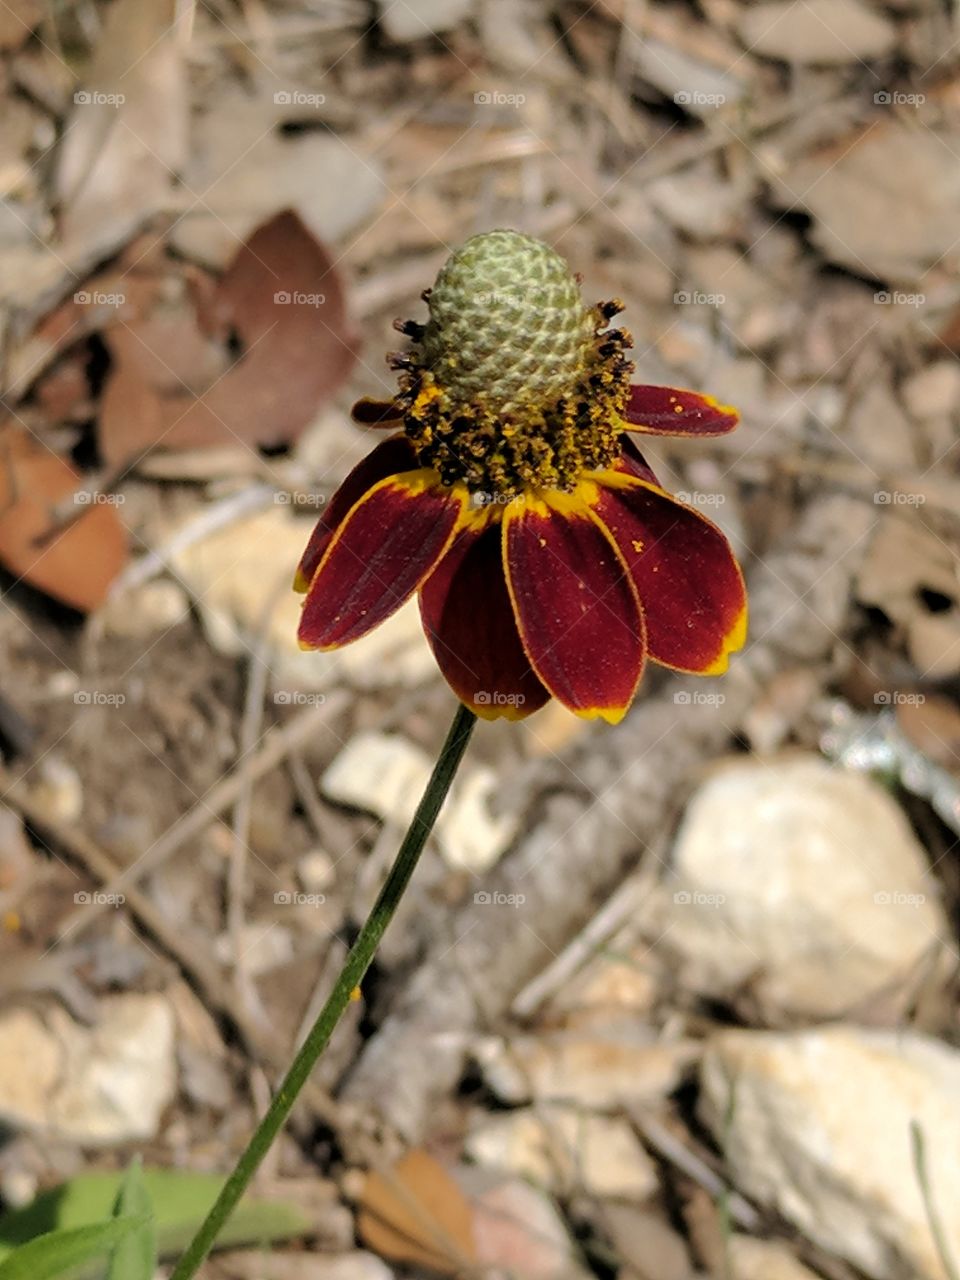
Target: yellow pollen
{"type": "Point", "coordinates": [637, 545]}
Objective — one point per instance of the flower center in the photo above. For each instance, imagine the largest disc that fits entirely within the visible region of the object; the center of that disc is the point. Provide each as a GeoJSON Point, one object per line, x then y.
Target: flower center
{"type": "Point", "coordinates": [513, 384]}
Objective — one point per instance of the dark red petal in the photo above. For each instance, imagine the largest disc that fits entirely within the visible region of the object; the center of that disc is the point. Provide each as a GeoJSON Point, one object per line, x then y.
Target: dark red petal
{"type": "Point", "coordinates": [577, 610]}
{"type": "Point", "coordinates": [469, 622]}
{"type": "Point", "coordinates": [633, 462]}
{"type": "Point", "coordinates": [689, 584]}
{"type": "Point", "coordinates": [376, 413]}
{"type": "Point", "coordinates": [387, 459]}
{"type": "Point", "coordinates": [388, 543]}
{"type": "Point", "coordinates": [673, 411]}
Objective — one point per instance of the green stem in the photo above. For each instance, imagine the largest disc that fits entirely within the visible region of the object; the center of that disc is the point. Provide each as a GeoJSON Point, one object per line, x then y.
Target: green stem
{"type": "Point", "coordinates": [355, 966]}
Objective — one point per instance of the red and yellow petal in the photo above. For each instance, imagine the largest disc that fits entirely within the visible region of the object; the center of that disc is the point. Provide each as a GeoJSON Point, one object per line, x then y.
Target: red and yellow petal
{"type": "Point", "coordinates": [633, 463]}
{"type": "Point", "coordinates": [688, 581]}
{"type": "Point", "coordinates": [577, 610]}
{"type": "Point", "coordinates": [389, 541]}
{"type": "Point", "coordinates": [468, 618]}
{"type": "Point", "coordinates": [387, 459]}
{"type": "Point", "coordinates": [674, 411]}
{"type": "Point", "coordinates": [368, 412]}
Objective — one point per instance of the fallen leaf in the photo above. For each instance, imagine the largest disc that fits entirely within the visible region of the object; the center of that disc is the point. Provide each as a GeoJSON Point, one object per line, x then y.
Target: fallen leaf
{"type": "Point", "coordinates": [281, 300]}
{"type": "Point", "coordinates": [415, 1213]}
{"type": "Point", "coordinates": [77, 563]}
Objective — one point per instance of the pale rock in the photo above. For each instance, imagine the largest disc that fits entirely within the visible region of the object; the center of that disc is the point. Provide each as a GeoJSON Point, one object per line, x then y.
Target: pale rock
{"type": "Point", "coordinates": [470, 837]}
{"type": "Point", "coordinates": [753, 1259]}
{"type": "Point", "coordinates": [595, 1070]}
{"type": "Point", "coordinates": [153, 606]}
{"type": "Point", "coordinates": [386, 774]}
{"type": "Point", "coordinates": [518, 1228]}
{"type": "Point", "coordinates": [817, 31]}
{"type": "Point", "coordinates": [933, 640]}
{"type": "Point", "coordinates": [315, 871]}
{"type": "Point", "coordinates": [698, 202]}
{"type": "Point", "coordinates": [258, 1265]}
{"type": "Point", "coordinates": [860, 218]}
{"type": "Point", "coordinates": [566, 1150]}
{"type": "Point", "coordinates": [878, 431]}
{"type": "Point", "coordinates": [648, 1247]}
{"type": "Point", "coordinates": [934, 390]}
{"type": "Point", "coordinates": [806, 881]}
{"type": "Point", "coordinates": [240, 577]}
{"type": "Point", "coordinates": [95, 1086]}
{"type": "Point", "coordinates": [262, 947]}
{"type": "Point", "coordinates": [247, 170]}
{"type": "Point", "coordinates": [820, 1132]}
{"type": "Point", "coordinates": [616, 983]}
{"type": "Point", "coordinates": [695, 85]}
{"type": "Point", "coordinates": [56, 789]}
{"type": "Point", "coordinates": [381, 773]}
{"type": "Point", "coordinates": [404, 20]}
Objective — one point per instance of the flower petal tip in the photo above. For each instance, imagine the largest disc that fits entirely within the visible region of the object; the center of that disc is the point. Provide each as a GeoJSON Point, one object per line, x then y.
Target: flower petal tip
{"type": "Point", "coordinates": [301, 583]}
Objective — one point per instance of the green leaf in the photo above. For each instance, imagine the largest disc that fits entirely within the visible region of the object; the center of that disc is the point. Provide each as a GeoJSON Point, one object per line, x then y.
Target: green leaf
{"type": "Point", "coordinates": [180, 1203]}
{"type": "Point", "coordinates": [61, 1253]}
{"type": "Point", "coordinates": [135, 1256]}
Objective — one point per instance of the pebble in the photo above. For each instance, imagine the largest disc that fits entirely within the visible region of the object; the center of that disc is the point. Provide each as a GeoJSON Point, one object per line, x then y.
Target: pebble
{"type": "Point", "coordinates": [803, 879]}
{"type": "Point", "coordinates": [820, 1132]}
{"type": "Point", "coordinates": [933, 390]}
{"type": "Point", "coordinates": [753, 1259]}
{"type": "Point", "coordinates": [96, 1086]}
{"type": "Point", "coordinates": [418, 19]}
{"type": "Point", "coordinates": [829, 32]}
{"type": "Point", "coordinates": [566, 1150]}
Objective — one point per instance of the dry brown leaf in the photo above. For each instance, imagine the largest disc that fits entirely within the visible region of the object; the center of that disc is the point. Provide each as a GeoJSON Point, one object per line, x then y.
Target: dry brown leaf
{"type": "Point", "coordinates": [416, 1213]}
{"type": "Point", "coordinates": [282, 300]}
{"type": "Point", "coordinates": [77, 563]}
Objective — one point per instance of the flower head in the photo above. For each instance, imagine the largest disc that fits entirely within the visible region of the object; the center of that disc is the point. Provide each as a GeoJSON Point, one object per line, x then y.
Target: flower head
{"type": "Point", "coordinates": [548, 559]}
